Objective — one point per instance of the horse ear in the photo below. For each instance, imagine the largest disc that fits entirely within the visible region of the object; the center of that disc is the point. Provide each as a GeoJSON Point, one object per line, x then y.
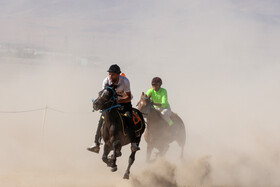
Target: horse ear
{"type": "Point", "coordinates": [143, 94]}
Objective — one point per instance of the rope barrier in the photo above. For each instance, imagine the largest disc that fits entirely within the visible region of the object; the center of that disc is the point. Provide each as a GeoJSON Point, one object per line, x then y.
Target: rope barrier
{"type": "Point", "coordinates": [53, 109]}
{"type": "Point", "coordinates": [44, 109]}
{"type": "Point", "coordinates": [40, 109]}
{"type": "Point", "coordinates": [23, 111]}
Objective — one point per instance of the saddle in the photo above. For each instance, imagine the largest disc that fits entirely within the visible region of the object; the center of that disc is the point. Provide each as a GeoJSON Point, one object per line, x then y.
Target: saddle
{"type": "Point", "coordinates": [137, 120]}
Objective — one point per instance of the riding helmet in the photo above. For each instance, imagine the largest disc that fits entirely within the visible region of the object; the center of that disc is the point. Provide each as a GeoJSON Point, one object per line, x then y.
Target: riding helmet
{"type": "Point", "coordinates": [115, 69]}
{"type": "Point", "coordinates": [157, 80]}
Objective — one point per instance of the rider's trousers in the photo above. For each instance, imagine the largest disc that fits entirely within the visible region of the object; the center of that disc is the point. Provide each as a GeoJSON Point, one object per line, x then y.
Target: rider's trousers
{"type": "Point", "coordinates": [166, 113]}
{"type": "Point", "coordinates": [127, 109]}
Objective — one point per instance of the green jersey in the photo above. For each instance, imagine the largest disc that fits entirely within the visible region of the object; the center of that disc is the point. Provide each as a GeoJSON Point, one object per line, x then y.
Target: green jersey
{"type": "Point", "coordinates": [159, 97]}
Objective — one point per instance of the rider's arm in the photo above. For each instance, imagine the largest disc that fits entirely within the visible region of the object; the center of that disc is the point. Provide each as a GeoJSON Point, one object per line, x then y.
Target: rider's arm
{"type": "Point", "coordinates": [126, 99]}
{"type": "Point", "coordinates": [105, 81]}
{"type": "Point", "coordinates": [127, 91]}
{"type": "Point", "coordinates": [149, 94]}
{"type": "Point", "coordinates": [164, 99]}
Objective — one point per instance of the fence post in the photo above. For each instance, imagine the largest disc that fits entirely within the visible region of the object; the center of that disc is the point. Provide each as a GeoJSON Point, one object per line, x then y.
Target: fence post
{"type": "Point", "coordinates": [44, 120]}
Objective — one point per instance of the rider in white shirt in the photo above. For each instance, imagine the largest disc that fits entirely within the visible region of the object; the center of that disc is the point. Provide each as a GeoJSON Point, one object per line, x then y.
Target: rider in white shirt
{"type": "Point", "coordinates": [124, 99]}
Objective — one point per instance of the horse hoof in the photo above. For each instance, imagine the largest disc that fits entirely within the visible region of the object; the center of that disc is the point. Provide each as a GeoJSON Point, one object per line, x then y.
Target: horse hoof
{"type": "Point", "coordinates": [126, 176]}
{"type": "Point", "coordinates": [109, 163]}
{"type": "Point", "coordinates": [114, 169]}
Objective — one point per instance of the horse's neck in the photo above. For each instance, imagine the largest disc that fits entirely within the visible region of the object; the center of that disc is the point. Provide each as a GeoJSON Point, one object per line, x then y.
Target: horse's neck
{"type": "Point", "coordinates": [155, 111]}
{"type": "Point", "coordinates": [110, 104]}
{"type": "Point", "coordinates": [110, 116]}
{"type": "Point", "coordinates": [154, 114]}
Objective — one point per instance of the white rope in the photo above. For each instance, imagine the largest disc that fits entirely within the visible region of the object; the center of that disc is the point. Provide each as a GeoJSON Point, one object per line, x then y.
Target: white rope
{"type": "Point", "coordinates": [22, 111]}
{"type": "Point", "coordinates": [43, 108]}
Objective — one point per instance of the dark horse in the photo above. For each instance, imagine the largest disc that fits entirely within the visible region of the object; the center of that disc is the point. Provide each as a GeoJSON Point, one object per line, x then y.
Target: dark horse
{"type": "Point", "coordinates": [114, 128]}
{"type": "Point", "coordinates": [159, 134]}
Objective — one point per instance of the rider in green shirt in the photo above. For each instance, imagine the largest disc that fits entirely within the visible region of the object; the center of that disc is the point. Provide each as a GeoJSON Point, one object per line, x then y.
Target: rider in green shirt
{"type": "Point", "coordinates": [160, 100]}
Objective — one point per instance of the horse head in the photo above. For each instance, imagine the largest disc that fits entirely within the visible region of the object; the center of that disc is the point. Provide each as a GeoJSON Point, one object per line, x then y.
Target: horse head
{"type": "Point", "coordinates": [106, 97]}
{"type": "Point", "coordinates": [145, 105]}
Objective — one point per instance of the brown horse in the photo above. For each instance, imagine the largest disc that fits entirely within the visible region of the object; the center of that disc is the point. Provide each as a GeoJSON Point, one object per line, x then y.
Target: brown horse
{"type": "Point", "coordinates": [114, 131]}
{"type": "Point", "coordinates": [159, 134]}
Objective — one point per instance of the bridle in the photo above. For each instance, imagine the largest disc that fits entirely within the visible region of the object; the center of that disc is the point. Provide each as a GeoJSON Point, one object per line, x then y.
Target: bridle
{"type": "Point", "coordinates": [149, 108]}
{"type": "Point", "coordinates": [113, 99]}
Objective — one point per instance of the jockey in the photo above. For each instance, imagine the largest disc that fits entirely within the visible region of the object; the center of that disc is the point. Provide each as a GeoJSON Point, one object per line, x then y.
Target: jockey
{"type": "Point", "coordinates": [159, 98]}
{"type": "Point", "coordinates": [124, 99]}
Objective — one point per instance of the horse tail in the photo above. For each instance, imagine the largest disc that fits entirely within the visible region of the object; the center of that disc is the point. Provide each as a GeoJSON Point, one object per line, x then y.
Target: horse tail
{"type": "Point", "coordinates": [181, 138]}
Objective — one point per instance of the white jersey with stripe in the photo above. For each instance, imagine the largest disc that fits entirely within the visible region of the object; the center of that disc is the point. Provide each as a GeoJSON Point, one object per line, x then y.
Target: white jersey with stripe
{"type": "Point", "coordinates": [123, 86]}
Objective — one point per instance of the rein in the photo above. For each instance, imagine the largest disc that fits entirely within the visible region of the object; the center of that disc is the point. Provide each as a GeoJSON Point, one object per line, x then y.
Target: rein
{"type": "Point", "coordinates": [115, 106]}
{"type": "Point", "coordinates": [112, 98]}
{"type": "Point", "coordinates": [145, 98]}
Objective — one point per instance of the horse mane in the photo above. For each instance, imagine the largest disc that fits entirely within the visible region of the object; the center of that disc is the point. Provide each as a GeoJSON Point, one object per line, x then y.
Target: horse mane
{"type": "Point", "coordinates": [111, 86]}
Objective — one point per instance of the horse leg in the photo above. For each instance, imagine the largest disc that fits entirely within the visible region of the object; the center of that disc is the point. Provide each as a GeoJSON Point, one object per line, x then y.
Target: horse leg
{"type": "Point", "coordinates": [114, 157]}
{"type": "Point", "coordinates": [182, 153]}
{"type": "Point", "coordinates": [130, 162]}
{"type": "Point", "coordinates": [118, 152]}
{"type": "Point", "coordinates": [105, 154]}
{"type": "Point", "coordinates": [163, 150]}
{"type": "Point", "coordinates": [149, 152]}
{"type": "Point", "coordinates": [181, 138]}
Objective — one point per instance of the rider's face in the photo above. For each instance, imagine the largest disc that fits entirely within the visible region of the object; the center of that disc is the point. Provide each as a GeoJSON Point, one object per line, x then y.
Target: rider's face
{"type": "Point", "coordinates": [156, 87]}
{"type": "Point", "coordinates": [114, 77]}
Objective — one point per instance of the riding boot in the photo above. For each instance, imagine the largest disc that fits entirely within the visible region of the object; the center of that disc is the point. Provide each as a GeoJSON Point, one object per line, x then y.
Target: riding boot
{"type": "Point", "coordinates": [97, 139]}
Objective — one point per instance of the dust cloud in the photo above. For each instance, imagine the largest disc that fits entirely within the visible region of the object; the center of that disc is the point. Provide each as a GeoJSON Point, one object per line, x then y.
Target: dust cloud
{"type": "Point", "coordinates": [164, 173]}
{"type": "Point", "coordinates": [219, 61]}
